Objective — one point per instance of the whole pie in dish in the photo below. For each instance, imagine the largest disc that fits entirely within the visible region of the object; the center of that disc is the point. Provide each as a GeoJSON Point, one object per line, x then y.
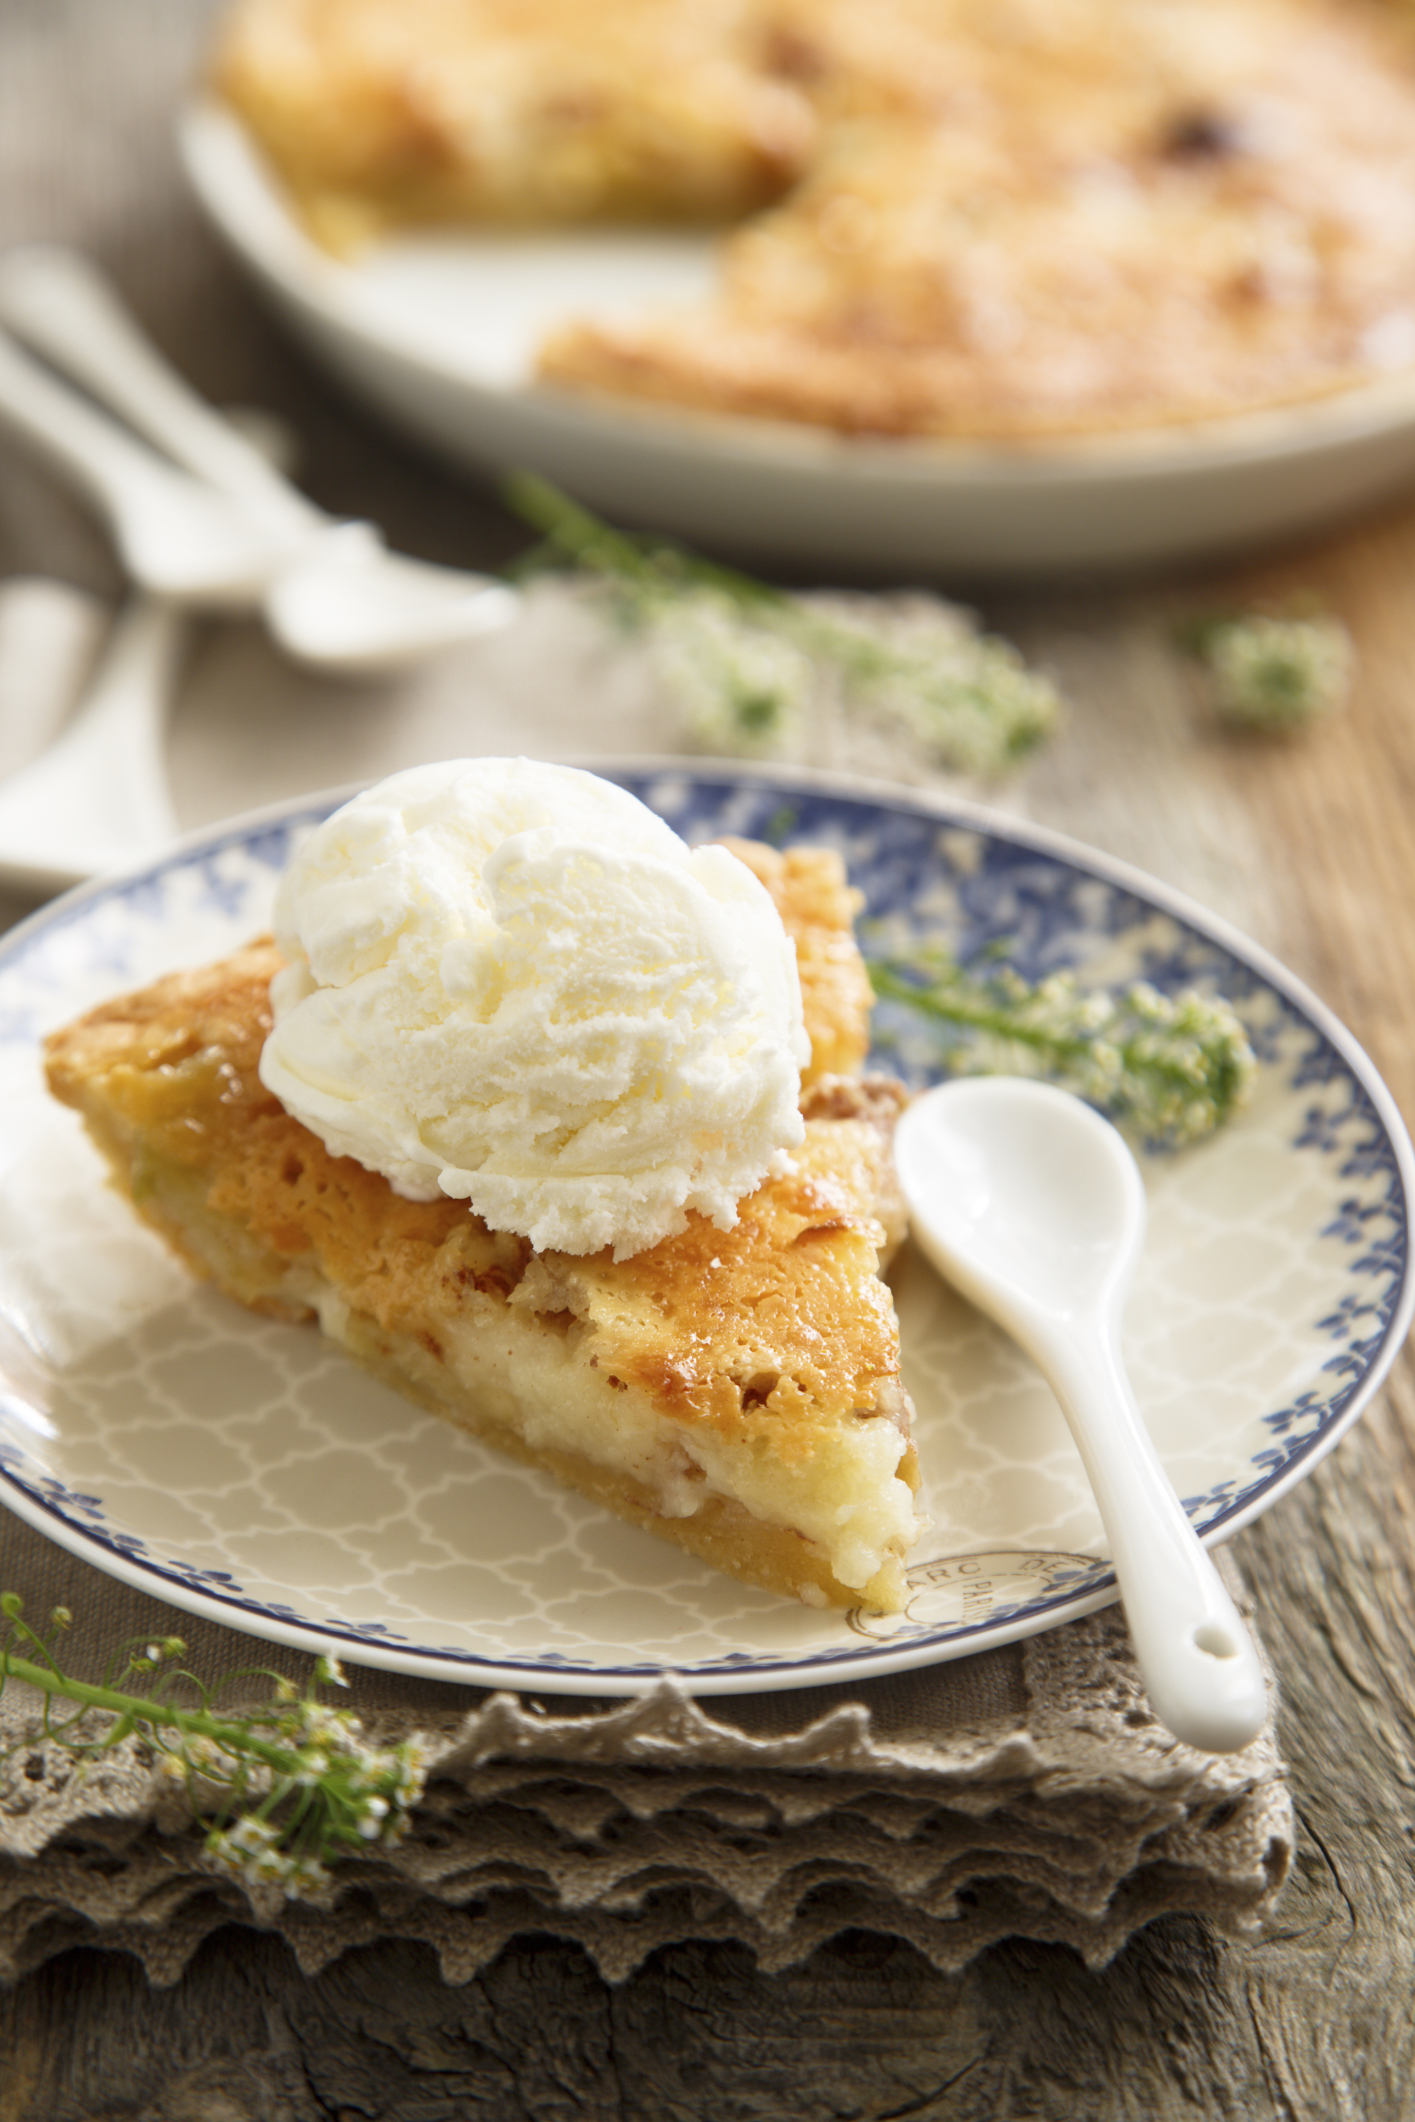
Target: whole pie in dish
{"type": "Point", "coordinates": [983, 218]}
{"type": "Point", "coordinates": [736, 1391]}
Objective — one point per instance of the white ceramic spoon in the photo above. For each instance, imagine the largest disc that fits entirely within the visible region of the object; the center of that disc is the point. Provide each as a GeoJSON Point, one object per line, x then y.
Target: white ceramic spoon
{"type": "Point", "coordinates": [176, 537]}
{"type": "Point", "coordinates": [50, 637]}
{"type": "Point", "coordinates": [86, 785]}
{"type": "Point", "coordinates": [332, 594]}
{"type": "Point", "coordinates": [97, 798]}
{"type": "Point", "coordinates": [1033, 1206]}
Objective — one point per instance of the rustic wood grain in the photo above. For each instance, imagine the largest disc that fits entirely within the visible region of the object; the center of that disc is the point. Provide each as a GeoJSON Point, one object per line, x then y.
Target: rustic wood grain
{"type": "Point", "coordinates": [1308, 846]}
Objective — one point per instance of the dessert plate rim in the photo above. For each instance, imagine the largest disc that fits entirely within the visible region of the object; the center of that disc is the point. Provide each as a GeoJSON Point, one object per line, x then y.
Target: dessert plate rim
{"type": "Point", "coordinates": [1082, 1588]}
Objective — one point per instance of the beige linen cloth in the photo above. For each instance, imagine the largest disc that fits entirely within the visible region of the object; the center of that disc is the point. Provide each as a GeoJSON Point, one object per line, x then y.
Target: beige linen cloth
{"type": "Point", "coordinates": [1027, 1792]}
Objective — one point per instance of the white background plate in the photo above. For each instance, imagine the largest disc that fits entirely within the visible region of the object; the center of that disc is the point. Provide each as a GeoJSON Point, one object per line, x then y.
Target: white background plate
{"type": "Point", "coordinates": [439, 333]}
{"type": "Point", "coordinates": [247, 1471]}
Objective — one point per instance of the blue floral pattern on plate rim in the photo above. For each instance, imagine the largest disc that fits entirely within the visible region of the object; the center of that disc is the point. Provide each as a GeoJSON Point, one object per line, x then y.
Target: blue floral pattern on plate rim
{"type": "Point", "coordinates": [1045, 900]}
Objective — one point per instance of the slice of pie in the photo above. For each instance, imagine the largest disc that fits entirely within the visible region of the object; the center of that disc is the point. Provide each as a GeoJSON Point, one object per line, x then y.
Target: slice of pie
{"type": "Point", "coordinates": [736, 1391]}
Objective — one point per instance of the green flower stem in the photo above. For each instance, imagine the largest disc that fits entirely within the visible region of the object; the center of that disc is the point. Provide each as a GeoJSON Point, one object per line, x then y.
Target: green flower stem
{"type": "Point", "coordinates": [749, 664]}
{"type": "Point", "coordinates": [1174, 1067]}
{"type": "Point", "coordinates": [975, 1010]}
{"type": "Point", "coordinates": [294, 1783]}
{"type": "Point", "coordinates": [132, 1710]}
{"type": "Point", "coordinates": [658, 572]}
{"type": "Point", "coordinates": [663, 572]}
{"type": "Point", "coordinates": [978, 1012]}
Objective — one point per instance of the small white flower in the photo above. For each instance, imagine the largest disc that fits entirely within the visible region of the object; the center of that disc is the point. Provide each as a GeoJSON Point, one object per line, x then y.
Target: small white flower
{"type": "Point", "coordinates": [270, 1867]}
{"type": "Point", "coordinates": [305, 1875]}
{"type": "Point", "coordinates": [1278, 674]}
{"type": "Point", "coordinates": [967, 697]}
{"type": "Point", "coordinates": [252, 1836]}
{"type": "Point", "coordinates": [411, 1757]}
{"type": "Point", "coordinates": [739, 686]}
{"type": "Point", "coordinates": [334, 1728]}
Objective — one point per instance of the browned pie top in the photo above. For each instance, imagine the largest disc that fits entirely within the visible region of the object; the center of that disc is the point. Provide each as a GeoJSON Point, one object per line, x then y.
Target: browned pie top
{"type": "Point", "coordinates": [1047, 218]}
{"type": "Point", "coordinates": [975, 217]}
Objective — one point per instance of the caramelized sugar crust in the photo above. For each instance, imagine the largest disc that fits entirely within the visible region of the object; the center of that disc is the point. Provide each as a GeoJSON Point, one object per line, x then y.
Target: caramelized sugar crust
{"type": "Point", "coordinates": [1043, 220]}
{"type": "Point", "coordinates": [784, 1315]}
{"type": "Point", "coordinates": [776, 1339]}
{"type": "Point", "coordinates": [950, 217]}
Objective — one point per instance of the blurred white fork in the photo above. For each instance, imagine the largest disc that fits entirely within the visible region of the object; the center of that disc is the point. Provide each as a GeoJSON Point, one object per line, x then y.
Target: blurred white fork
{"type": "Point", "coordinates": [50, 636]}
{"type": "Point", "coordinates": [97, 797]}
{"type": "Point", "coordinates": [332, 594]}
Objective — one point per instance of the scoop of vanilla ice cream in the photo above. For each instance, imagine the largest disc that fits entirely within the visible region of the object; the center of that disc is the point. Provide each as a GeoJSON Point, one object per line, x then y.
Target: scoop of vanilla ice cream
{"type": "Point", "coordinates": [512, 983]}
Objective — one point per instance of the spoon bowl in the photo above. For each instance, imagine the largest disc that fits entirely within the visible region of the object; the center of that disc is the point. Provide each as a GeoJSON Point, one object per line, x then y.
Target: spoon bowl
{"type": "Point", "coordinates": [1038, 1195]}
{"type": "Point", "coordinates": [1032, 1205]}
{"type": "Point", "coordinates": [350, 606]}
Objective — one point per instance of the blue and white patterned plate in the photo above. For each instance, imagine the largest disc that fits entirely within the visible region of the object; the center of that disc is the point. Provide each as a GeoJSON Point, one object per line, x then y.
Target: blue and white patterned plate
{"type": "Point", "coordinates": [246, 1471]}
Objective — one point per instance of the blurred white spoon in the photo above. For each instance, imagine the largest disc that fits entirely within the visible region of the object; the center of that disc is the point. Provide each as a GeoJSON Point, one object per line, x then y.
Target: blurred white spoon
{"type": "Point", "coordinates": [1033, 1206]}
{"type": "Point", "coordinates": [85, 785]}
{"type": "Point", "coordinates": [50, 637]}
{"type": "Point", "coordinates": [176, 537]}
{"type": "Point", "coordinates": [97, 797]}
{"type": "Point", "coordinates": [332, 594]}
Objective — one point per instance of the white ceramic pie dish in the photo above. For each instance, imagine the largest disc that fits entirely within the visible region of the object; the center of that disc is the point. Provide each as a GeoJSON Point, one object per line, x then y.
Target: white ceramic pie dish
{"type": "Point", "coordinates": [438, 334]}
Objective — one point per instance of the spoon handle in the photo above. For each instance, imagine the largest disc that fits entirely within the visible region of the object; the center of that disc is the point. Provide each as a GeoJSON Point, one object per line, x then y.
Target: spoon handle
{"type": "Point", "coordinates": [98, 796]}
{"type": "Point", "coordinates": [1199, 1663]}
{"type": "Point", "coordinates": [60, 304]}
{"type": "Point", "coordinates": [106, 464]}
{"type": "Point", "coordinates": [176, 537]}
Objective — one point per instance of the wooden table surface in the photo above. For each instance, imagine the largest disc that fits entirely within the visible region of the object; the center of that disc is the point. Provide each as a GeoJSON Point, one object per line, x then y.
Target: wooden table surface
{"type": "Point", "coordinates": [1307, 845]}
